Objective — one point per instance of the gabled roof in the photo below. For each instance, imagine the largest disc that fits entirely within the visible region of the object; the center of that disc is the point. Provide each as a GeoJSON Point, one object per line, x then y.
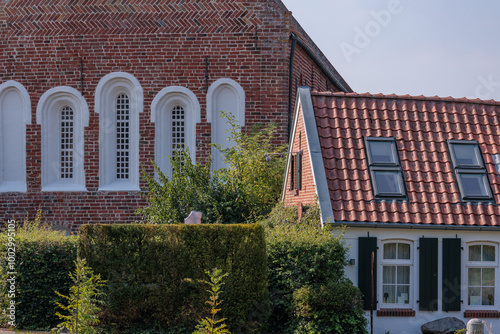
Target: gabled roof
{"type": "Point", "coordinates": [422, 127]}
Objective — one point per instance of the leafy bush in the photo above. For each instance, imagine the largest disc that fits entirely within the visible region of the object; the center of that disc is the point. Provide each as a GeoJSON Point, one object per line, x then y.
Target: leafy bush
{"type": "Point", "coordinates": [82, 303]}
{"type": "Point", "coordinates": [155, 273]}
{"type": "Point", "coordinates": [43, 258]}
{"type": "Point", "coordinates": [246, 191]}
{"type": "Point", "coordinates": [306, 276]}
{"type": "Point", "coordinates": [330, 308]}
{"type": "Point", "coordinates": [210, 324]}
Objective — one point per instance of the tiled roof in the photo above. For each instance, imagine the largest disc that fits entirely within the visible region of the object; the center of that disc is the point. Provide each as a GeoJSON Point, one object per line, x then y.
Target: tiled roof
{"type": "Point", "coordinates": [421, 127]}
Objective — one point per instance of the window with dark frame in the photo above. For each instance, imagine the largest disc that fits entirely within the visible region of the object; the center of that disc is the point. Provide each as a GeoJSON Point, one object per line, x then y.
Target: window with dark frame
{"type": "Point", "coordinates": [469, 170]}
{"type": "Point", "coordinates": [385, 169]}
{"type": "Point", "coordinates": [296, 170]}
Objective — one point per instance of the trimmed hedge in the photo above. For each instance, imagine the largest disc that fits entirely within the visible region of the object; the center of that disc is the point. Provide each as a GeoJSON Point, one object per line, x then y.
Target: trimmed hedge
{"type": "Point", "coordinates": [43, 259]}
{"type": "Point", "coordinates": [154, 273]}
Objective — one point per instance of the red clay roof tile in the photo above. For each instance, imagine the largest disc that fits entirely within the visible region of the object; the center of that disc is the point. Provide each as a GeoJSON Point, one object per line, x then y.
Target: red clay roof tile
{"type": "Point", "coordinates": [421, 127]}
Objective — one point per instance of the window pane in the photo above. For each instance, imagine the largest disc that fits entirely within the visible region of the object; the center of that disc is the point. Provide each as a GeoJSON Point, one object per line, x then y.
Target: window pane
{"type": "Point", "coordinates": [387, 182]}
{"type": "Point", "coordinates": [381, 152]}
{"type": "Point", "coordinates": [488, 296]}
{"type": "Point", "coordinates": [390, 251]}
{"type": "Point", "coordinates": [389, 274]}
{"type": "Point", "coordinates": [488, 277]}
{"type": "Point", "coordinates": [475, 253]}
{"type": "Point", "coordinates": [403, 274]}
{"type": "Point", "coordinates": [466, 155]}
{"type": "Point", "coordinates": [488, 253]}
{"type": "Point", "coordinates": [474, 184]}
{"type": "Point", "coordinates": [474, 276]}
{"type": "Point", "coordinates": [404, 251]}
{"type": "Point", "coordinates": [403, 293]}
{"type": "Point", "coordinates": [389, 294]}
{"type": "Point", "coordinates": [474, 296]}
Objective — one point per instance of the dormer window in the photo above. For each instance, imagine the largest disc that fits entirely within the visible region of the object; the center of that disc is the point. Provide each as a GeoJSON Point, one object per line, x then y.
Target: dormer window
{"type": "Point", "coordinates": [469, 169]}
{"type": "Point", "coordinates": [385, 169]}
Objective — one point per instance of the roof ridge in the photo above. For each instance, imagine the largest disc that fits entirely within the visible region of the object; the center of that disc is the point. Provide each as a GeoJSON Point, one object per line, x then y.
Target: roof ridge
{"type": "Point", "coordinates": [407, 97]}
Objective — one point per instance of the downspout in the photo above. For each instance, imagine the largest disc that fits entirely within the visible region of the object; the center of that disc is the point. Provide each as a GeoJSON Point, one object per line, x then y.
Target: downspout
{"type": "Point", "coordinates": [290, 84]}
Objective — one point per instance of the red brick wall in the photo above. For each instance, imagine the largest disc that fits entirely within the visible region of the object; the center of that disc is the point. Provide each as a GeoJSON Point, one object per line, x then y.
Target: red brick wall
{"type": "Point", "coordinates": [43, 45]}
{"type": "Point", "coordinates": [306, 195]}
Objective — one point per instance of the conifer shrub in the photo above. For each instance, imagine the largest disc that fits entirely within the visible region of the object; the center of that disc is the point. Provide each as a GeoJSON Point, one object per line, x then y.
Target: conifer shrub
{"type": "Point", "coordinates": [155, 274]}
{"type": "Point", "coordinates": [43, 258]}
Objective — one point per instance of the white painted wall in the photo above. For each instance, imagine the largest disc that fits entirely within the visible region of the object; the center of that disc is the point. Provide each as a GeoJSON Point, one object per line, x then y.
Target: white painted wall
{"type": "Point", "coordinates": [411, 325]}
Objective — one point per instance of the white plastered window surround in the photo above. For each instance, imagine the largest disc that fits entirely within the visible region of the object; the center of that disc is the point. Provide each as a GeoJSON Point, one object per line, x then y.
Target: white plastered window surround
{"type": "Point", "coordinates": [395, 276]}
{"type": "Point", "coordinates": [481, 274]}
{"type": "Point", "coordinates": [52, 104]}
{"type": "Point", "coordinates": [15, 114]}
{"type": "Point", "coordinates": [114, 86]}
{"type": "Point", "coordinates": [228, 96]}
{"type": "Point", "coordinates": [161, 114]}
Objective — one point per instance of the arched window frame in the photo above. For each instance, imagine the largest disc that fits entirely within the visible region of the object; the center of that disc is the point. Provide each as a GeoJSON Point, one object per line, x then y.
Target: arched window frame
{"type": "Point", "coordinates": [161, 114]}
{"type": "Point", "coordinates": [48, 115]}
{"type": "Point", "coordinates": [396, 262]}
{"type": "Point", "coordinates": [213, 114]}
{"type": "Point", "coordinates": [107, 91]}
{"type": "Point", "coordinates": [471, 264]}
{"type": "Point", "coordinates": [18, 185]}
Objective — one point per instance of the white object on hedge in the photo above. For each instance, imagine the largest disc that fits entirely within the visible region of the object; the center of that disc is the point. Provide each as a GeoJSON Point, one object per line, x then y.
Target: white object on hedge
{"type": "Point", "coordinates": [193, 218]}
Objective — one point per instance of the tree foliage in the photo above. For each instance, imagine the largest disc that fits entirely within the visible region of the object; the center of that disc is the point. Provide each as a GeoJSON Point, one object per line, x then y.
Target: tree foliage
{"type": "Point", "coordinates": [243, 192]}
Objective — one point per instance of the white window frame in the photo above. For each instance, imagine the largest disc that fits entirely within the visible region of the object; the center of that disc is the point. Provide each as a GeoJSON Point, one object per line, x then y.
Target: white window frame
{"type": "Point", "coordinates": [481, 264]}
{"type": "Point", "coordinates": [395, 262]}
{"type": "Point", "coordinates": [213, 115]}
{"type": "Point", "coordinates": [18, 185]}
{"type": "Point", "coordinates": [161, 115]}
{"type": "Point", "coordinates": [107, 90]}
{"type": "Point", "coordinates": [48, 115]}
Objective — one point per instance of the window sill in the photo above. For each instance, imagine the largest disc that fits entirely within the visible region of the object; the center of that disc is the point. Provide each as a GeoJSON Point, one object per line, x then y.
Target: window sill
{"type": "Point", "coordinates": [481, 314]}
{"type": "Point", "coordinates": [13, 186]}
{"type": "Point", "coordinates": [395, 312]}
{"type": "Point", "coordinates": [119, 186]}
{"type": "Point", "coordinates": [63, 187]}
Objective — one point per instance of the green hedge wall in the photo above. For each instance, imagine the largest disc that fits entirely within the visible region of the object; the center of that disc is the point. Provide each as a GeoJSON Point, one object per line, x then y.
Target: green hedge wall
{"type": "Point", "coordinates": [154, 273]}
{"type": "Point", "coordinates": [43, 259]}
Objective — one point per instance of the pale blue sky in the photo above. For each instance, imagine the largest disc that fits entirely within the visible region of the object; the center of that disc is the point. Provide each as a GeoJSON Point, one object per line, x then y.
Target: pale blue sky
{"type": "Point", "coordinates": [417, 47]}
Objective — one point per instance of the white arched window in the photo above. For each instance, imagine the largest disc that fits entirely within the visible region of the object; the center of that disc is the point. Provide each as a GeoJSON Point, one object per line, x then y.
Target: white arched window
{"type": "Point", "coordinates": [63, 113]}
{"type": "Point", "coordinates": [228, 96]}
{"type": "Point", "coordinates": [118, 101]}
{"type": "Point", "coordinates": [481, 275]}
{"type": "Point", "coordinates": [396, 276]}
{"type": "Point", "coordinates": [15, 113]}
{"type": "Point", "coordinates": [175, 112]}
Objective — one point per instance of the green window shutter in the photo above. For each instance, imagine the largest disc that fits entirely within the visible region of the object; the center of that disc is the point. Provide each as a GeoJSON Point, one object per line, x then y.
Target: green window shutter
{"type": "Point", "coordinates": [367, 245]}
{"type": "Point", "coordinates": [428, 283]}
{"type": "Point", "coordinates": [452, 254]}
{"type": "Point", "coordinates": [299, 170]}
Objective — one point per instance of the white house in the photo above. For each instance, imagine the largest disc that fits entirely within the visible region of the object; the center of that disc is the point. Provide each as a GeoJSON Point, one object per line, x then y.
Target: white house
{"type": "Point", "coordinates": [416, 181]}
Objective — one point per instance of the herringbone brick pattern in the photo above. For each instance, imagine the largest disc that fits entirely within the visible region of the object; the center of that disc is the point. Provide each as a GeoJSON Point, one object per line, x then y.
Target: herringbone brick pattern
{"type": "Point", "coordinates": [129, 16]}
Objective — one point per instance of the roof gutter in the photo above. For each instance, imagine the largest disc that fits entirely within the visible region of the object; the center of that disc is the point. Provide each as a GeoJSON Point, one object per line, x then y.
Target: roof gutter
{"type": "Point", "coordinates": [320, 64]}
{"type": "Point", "coordinates": [408, 226]}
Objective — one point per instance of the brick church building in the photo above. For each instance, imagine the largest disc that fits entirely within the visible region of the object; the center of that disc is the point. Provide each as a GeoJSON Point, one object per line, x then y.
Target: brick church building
{"type": "Point", "coordinates": [92, 90]}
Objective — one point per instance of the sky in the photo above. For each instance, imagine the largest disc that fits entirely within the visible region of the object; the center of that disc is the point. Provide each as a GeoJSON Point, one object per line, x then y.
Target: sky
{"type": "Point", "coordinates": [417, 47]}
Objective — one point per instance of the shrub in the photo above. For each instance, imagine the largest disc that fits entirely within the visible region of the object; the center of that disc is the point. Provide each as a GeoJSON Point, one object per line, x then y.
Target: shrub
{"type": "Point", "coordinates": [244, 192]}
{"type": "Point", "coordinates": [43, 258]}
{"type": "Point", "coordinates": [305, 261]}
{"type": "Point", "coordinates": [82, 304]}
{"type": "Point", "coordinates": [155, 273]}
{"type": "Point", "coordinates": [210, 324]}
